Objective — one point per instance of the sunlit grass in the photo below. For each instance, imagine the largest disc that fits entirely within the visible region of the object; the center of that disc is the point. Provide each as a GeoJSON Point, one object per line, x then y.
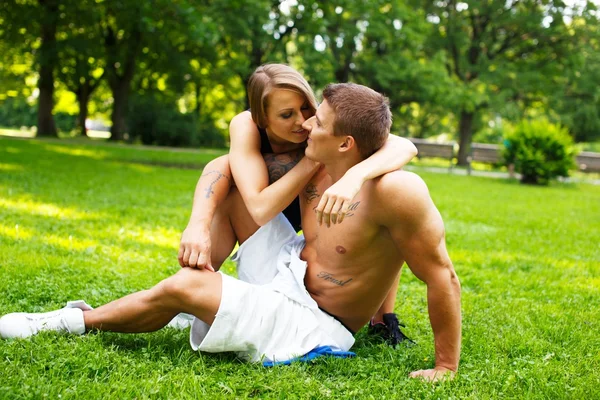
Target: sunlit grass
{"type": "Point", "coordinates": [20, 133]}
{"type": "Point", "coordinates": [97, 221]}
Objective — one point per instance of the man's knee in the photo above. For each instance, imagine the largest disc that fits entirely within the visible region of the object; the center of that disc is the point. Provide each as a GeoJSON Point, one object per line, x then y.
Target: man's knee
{"type": "Point", "coordinates": [181, 285]}
{"type": "Point", "coordinates": [193, 291]}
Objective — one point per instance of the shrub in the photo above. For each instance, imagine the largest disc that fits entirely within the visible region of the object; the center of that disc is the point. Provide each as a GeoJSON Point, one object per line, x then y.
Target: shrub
{"type": "Point", "coordinates": [15, 113]}
{"type": "Point", "coordinates": [540, 151]}
{"type": "Point", "coordinates": [160, 123]}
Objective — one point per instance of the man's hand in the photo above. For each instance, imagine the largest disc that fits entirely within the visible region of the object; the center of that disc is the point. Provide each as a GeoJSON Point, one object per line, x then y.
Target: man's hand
{"type": "Point", "coordinates": [194, 250]}
{"type": "Point", "coordinates": [434, 375]}
{"type": "Point", "coordinates": [337, 199]}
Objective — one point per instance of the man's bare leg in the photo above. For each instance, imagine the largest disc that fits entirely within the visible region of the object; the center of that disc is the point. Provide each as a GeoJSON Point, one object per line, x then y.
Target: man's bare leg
{"type": "Point", "coordinates": [196, 292]}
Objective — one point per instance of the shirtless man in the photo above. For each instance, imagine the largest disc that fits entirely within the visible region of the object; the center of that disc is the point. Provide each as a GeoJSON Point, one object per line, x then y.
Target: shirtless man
{"type": "Point", "coordinates": [302, 293]}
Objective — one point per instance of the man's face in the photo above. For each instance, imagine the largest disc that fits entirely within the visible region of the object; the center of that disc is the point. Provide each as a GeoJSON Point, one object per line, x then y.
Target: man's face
{"type": "Point", "coordinates": [321, 144]}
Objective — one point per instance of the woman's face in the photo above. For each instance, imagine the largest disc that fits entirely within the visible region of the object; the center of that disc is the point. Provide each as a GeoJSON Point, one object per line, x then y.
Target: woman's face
{"type": "Point", "coordinates": [286, 113]}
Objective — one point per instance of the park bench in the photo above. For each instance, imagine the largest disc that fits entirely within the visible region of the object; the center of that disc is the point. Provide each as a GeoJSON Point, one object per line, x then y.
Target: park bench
{"type": "Point", "coordinates": [427, 148]}
{"type": "Point", "coordinates": [588, 161]}
{"type": "Point", "coordinates": [486, 153]}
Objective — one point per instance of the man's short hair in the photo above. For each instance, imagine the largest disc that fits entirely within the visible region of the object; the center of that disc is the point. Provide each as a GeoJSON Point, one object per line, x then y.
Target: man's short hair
{"type": "Point", "coordinates": [360, 112]}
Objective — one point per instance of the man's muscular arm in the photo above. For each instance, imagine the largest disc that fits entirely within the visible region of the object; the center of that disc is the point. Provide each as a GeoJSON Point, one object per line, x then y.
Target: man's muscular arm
{"type": "Point", "coordinates": [418, 231]}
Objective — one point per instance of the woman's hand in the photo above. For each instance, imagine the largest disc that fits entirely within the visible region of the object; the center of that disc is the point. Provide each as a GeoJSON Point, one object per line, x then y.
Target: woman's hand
{"type": "Point", "coordinates": [194, 249]}
{"type": "Point", "coordinates": [337, 199]}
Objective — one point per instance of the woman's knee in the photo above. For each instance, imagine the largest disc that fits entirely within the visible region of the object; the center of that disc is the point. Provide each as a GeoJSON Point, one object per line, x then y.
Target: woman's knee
{"type": "Point", "coordinates": [220, 164]}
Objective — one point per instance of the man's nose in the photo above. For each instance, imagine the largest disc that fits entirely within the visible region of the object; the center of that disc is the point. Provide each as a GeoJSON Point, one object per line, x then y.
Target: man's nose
{"type": "Point", "coordinates": [307, 124]}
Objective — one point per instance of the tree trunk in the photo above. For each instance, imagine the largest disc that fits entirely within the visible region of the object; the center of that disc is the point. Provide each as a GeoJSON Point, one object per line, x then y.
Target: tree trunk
{"type": "Point", "coordinates": [245, 81]}
{"type": "Point", "coordinates": [83, 98]}
{"type": "Point", "coordinates": [465, 130]}
{"type": "Point", "coordinates": [47, 61]}
{"type": "Point", "coordinates": [120, 92]}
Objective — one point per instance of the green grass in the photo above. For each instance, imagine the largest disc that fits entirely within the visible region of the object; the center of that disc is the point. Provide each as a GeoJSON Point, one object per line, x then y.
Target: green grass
{"type": "Point", "coordinates": [98, 221]}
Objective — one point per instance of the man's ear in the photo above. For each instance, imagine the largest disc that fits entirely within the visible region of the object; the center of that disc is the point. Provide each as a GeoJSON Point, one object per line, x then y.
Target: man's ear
{"type": "Point", "coordinates": [347, 144]}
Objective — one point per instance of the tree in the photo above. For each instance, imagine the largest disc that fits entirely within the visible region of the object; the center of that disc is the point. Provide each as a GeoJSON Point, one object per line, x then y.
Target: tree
{"type": "Point", "coordinates": [80, 50]}
{"type": "Point", "coordinates": [494, 50]}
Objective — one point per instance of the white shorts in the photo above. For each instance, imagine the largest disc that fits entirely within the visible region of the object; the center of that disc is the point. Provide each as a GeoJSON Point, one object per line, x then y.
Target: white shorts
{"type": "Point", "coordinates": [267, 315]}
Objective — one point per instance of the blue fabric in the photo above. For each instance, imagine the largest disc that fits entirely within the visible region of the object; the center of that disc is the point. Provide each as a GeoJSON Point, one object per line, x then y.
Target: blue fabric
{"type": "Point", "coordinates": [311, 355]}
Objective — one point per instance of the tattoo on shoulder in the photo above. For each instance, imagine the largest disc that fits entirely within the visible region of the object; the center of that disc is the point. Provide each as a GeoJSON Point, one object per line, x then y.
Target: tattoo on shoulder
{"type": "Point", "coordinates": [280, 164]}
{"type": "Point", "coordinates": [217, 176]}
{"type": "Point", "coordinates": [326, 276]}
{"type": "Point", "coordinates": [352, 208]}
{"type": "Point", "coordinates": [311, 192]}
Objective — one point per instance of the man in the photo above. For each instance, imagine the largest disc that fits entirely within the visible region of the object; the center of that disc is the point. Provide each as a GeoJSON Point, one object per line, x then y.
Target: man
{"type": "Point", "coordinates": [303, 293]}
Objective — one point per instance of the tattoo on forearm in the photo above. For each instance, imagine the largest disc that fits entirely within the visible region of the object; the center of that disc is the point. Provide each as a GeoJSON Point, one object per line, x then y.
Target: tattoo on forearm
{"type": "Point", "coordinates": [217, 175]}
{"type": "Point", "coordinates": [352, 208]}
{"type": "Point", "coordinates": [311, 192]}
{"type": "Point", "coordinates": [326, 276]}
{"type": "Point", "coordinates": [280, 164]}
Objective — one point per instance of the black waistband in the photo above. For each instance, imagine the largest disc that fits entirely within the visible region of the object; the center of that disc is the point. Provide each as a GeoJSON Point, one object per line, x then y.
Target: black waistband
{"type": "Point", "coordinates": [338, 320]}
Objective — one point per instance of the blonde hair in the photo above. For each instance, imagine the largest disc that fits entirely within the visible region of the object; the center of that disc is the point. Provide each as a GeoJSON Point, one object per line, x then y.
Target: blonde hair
{"type": "Point", "coordinates": [275, 76]}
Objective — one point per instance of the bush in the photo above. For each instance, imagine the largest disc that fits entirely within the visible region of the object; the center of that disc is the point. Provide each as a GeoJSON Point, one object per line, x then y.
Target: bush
{"type": "Point", "coordinates": [540, 151]}
{"type": "Point", "coordinates": [65, 123]}
{"type": "Point", "coordinates": [15, 113]}
{"type": "Point", "coordinates": [155, 122]}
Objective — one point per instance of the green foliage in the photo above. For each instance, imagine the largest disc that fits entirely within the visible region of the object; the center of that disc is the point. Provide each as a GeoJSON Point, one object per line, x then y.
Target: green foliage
{"type": "Point", "coordinates": [65, 122]}
{"type": "Point", "coordinates": [157, 123]}
{"type": "Point", "coordinates": [492, 132]}
{"type": "Point", "coordinates": [99, 221]}
{"type": "Point", "coordinates": [438, 62]}
{"type": "Point", "coordinates": [540, 151]}
{"type": "Point", "coordinates": [15, 112]}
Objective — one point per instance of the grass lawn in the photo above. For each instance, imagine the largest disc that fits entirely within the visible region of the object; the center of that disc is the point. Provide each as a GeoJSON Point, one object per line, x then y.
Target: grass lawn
{"type": "Point", "coordinates": [98, 221]}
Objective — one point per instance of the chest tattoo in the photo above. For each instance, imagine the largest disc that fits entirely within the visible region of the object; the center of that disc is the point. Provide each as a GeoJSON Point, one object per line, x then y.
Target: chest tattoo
{"type": "Point", "coordinates": [326, 276]}
{"type": "Point", "coordinates": [352, 208]}
{"type": "Point", "coordinates": [340, 249]}
{"type": "Point", "coordinates": [311, 192]}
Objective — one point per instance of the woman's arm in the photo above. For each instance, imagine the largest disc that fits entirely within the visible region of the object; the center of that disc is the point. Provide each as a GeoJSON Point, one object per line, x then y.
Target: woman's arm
{"type": "Point", "coordinates": [336, 200]}
{"type": "Point", "coordinates": [251, 176]}
{"type": "Point", "coordinates": [212, 188]}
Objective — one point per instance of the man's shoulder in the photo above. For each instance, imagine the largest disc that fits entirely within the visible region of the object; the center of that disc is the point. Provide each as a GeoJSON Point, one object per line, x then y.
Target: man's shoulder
{"type": "Point", "coordinates": [401, 183]}
{"type": "Point", "coordinates": [401, 194]}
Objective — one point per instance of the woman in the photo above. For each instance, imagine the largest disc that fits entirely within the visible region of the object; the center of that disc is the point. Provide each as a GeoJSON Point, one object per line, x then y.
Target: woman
{"type": "Point", "coordinates": [280, 101]}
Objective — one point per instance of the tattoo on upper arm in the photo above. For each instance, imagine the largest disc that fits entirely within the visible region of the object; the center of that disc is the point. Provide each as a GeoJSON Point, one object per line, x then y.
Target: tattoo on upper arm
{"type": "Point", "coordinates": [311, 192]}
{"type": "Point", "coordinates": [280, 164]}
{"type": "Point", "coordinates": [352, 208]}
{"type": "Point", "coordinates": [217, 175]}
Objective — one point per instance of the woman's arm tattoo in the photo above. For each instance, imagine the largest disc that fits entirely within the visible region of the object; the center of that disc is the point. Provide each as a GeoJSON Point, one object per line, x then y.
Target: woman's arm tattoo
{"type": "Point", "coordinates": [280, 164]}
{"type": "Point", "coordinates": [216, 175]}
